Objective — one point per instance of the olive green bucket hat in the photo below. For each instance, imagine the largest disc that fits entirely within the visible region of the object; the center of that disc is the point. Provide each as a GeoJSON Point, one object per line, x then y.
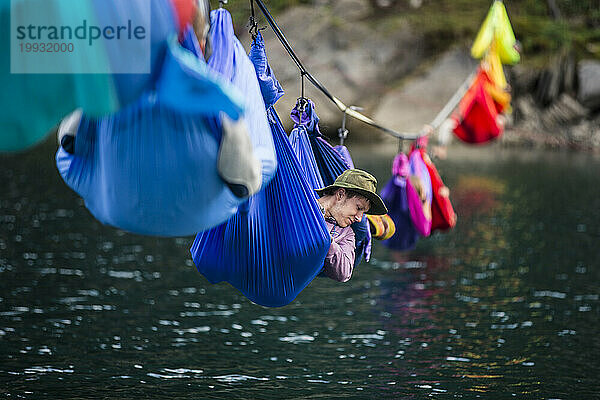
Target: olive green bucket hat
{"type": "Point", "coordinates": [362, 183]}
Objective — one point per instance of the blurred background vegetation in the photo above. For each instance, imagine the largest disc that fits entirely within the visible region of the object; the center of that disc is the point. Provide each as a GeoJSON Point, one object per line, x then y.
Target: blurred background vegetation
{"type": "Point", "coordinates": [544, 27]}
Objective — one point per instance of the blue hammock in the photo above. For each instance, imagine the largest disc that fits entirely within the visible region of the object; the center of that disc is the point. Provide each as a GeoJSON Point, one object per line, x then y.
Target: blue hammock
{"type": "Point", "coordinates": [230, 59]}
{"type": "Point", "coordinates": [150, 168]}
{"type": "Point", "coordinates": [395, 198]}
{"type": "Point", "coordinates": [37, 102]}
{"type": "Point", "coordinates": [322, 164]}
{"type": "Point", "coordinates": [276, 244]}
{"type": "Point", "coordinates": [269, 86]}
{"type": "Point", "coordinates": [306, 120]}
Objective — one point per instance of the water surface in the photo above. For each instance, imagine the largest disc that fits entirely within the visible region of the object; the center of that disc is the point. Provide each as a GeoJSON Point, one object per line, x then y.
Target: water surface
{"type": "Point", "coordinates": [504, 306]}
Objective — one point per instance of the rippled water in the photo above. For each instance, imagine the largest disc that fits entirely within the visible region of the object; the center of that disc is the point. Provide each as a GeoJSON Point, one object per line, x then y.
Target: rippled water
{"type": "Point", "coordinates": [504, 306]}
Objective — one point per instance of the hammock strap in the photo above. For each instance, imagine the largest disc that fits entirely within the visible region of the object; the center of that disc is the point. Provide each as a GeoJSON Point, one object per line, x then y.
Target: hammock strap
{"type": "Point", "coordinates": [453, 102]}
{"type": "Point", "coordinates": [343, 132]}
{"type": "Point", "coordinates": [253, 22]}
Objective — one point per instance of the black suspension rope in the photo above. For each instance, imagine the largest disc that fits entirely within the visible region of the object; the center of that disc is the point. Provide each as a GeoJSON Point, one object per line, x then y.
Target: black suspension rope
{"type": "Point", "coordinates": [345, 109]}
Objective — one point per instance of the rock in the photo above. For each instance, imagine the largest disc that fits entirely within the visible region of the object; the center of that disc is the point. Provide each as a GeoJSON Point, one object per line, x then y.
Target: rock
{"type": "Point", "coordinates": [525, 108]}
{"type": "Point", "coordinates": [588, 74]}
{"type": "Point", "coordinates": [522, 80]}
{"type": "Point", "coordinates": [351, 9]}
{"type": "Point", "coordinates": [417, 102]}
{"type": "Point", "coordinates": [548, 86]}
{"type": "Point", "coordinates": [566, 110]}
{"type": "Point", "coordinates": [569, 74]}
{"type": "Point", "coordinates": [354, 59]}
{"type": "Point", "coordinates": [556, 79]}
{"type": "Point", "coordinates": [595, 140]}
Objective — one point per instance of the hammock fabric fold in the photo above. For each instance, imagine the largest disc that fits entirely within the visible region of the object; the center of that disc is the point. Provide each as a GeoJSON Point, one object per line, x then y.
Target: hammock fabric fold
{"type": "Point", "coordinates": [270, 88]}
{"type": "Point", "coordinates": [163, 20]}
{"type": "Point", "coordinates": [493, 68]}
{"type": "Point", "coordinates": [418, 168]}
{"type": "Point", "coordinates": [230, 59]}
{"type": "Point", "coordinates": [305, 120]}
{"type": "Point", "coordinates": [499, 95]}
{"type": "Point", "coordinates": [442, 213]}
{"type": "Point", "coordinates": [184, 12]}
{"type": "Point", "coordinates": [151, 169]}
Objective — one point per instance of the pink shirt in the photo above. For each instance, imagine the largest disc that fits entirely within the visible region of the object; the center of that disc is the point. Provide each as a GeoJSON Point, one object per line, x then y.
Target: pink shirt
{"type": "Point", "coordinates": [339, 261]}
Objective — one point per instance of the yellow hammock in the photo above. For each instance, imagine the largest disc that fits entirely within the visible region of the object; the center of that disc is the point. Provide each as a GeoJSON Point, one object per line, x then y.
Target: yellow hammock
{"type": "Point", "coordinates": [493, 67]}
{"type": "Point", "coordinates": [496, 28]}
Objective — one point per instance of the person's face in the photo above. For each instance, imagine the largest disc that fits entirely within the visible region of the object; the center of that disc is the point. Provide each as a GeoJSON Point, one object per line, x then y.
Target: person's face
{"type": "Point", "coordinates": [347, 211]}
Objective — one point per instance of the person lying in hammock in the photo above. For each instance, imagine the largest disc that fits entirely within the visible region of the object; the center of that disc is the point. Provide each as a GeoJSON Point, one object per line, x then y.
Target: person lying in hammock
{"type": "Point", "coordinates": [353, 194]}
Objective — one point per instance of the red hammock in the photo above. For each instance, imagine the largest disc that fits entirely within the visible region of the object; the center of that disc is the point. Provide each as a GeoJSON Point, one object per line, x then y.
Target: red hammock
{"type": "Point", "coordinates": [443, 216]}
{"type": "Point", "coordinates": [477, 122]}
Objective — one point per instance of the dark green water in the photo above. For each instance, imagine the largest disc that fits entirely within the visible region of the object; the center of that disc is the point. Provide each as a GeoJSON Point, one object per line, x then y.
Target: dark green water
{"type": "Point", "coordinates": [505, 306]}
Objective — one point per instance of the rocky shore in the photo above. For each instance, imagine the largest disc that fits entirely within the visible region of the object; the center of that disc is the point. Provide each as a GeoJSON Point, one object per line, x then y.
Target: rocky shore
{"type": "Point", "coordinates": [389, 71]}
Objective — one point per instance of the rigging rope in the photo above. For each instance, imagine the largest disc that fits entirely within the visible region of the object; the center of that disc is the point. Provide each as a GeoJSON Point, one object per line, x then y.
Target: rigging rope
{"type": "Point", "coordinates": [351, 111]}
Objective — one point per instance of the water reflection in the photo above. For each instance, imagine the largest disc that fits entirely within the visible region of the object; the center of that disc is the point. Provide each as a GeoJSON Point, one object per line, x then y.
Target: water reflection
{"type": "Point", "coordinates": [506, 305]}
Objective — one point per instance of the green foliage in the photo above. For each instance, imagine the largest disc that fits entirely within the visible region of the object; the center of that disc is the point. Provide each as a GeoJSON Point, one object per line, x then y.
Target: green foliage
{"type": "Point", "coordinates": [449, 22]}
{"type": "Point", "coordinates": [240, 10]}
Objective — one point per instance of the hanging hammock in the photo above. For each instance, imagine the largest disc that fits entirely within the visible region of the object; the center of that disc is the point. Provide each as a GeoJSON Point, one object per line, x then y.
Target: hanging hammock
{"type": "Point", "coordinates": [151, 168]}
{"type": "Point", "coordinates": [305, 119]}
{"type": "Point", "coordinates": [274, 246]}
{"type": "Point", "coordinates": [322, 164]}
{"type": "Point", "coordinates": [442, 213]}
{"type": "Point", "coordinates": [496, 29]}
{"type": "Point", "coordinates": [39, 101]}
{"type": "Point", "coordinates": [477, 121]}
{"type": "Point", "coordinates": [404, 207]}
